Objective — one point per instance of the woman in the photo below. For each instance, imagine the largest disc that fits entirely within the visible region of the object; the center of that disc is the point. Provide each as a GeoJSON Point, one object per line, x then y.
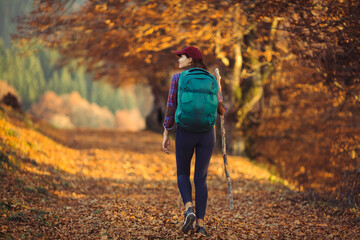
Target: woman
{"type": "Point", "coordinates": [186, 141]}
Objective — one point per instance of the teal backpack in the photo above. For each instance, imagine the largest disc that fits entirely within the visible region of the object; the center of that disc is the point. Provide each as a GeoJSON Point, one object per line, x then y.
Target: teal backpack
{"type": "Point", "coordinates": [197, 100]}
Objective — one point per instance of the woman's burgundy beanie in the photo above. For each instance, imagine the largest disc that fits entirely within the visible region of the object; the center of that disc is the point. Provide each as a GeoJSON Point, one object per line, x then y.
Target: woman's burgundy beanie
{"type": "Point", "coordinates": [192, 52]}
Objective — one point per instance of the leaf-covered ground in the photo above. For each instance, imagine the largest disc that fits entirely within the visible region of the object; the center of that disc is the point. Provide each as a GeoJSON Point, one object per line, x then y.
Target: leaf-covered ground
{"type": "Point", "coordinates": [118, 185]}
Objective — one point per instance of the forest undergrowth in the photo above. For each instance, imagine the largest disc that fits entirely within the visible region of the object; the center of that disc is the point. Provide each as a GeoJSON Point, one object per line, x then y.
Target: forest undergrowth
{"type": "Point", "coordinates": [105, 184]}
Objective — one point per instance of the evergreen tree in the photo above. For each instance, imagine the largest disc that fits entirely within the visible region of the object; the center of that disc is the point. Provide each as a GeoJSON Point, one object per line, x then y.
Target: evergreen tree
{"type": "Point", "coordinates": [48, 59]}
{"type": "Point", "coordinates": [89, 87]}
{"type": "Point", "coordinates": [104, 95]}
{"type": "Point", "coordinates": [37, 83]}
{"type": "Point", "coordinates": [80, 82]}
{"type": "Point", "coordinates": [54, 83]}
{"type": "Point", "coordinates": [3, 60]}
{"type": "Point", "coordinates": [28, 92]}
{"type": "Point", "coordinates": [8, 67]}
{"type": "Point", "coordinates": [119, 102]}
{"type": "Point", "coordinates": [16, 71]}
{"type": "Point", "coordinates": [130, 100]}
{"type": "Point", "coordinates": [94, 92]}
{"type": "Point", "coordinates": [66, 85]}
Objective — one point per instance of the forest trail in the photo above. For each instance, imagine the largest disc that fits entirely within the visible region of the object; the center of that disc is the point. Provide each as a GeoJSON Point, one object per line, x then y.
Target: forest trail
{"type": "Point", "coordinates": [92, 184]}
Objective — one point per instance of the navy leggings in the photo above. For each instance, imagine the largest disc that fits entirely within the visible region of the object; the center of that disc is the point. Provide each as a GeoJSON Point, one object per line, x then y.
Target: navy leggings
{"type": "Point", "coordinates": [203, 144]}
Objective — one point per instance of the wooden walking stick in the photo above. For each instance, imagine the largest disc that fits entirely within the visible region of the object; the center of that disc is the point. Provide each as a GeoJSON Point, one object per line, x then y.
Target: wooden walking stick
{"type": "Point", "coordinates": [222, 127]}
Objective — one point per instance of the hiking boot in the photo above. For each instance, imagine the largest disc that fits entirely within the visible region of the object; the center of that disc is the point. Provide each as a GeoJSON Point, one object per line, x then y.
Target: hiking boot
{"type": "Point", "coordinates": [189, 220]}
{"type": "Point", "coordinates": [201, 230]}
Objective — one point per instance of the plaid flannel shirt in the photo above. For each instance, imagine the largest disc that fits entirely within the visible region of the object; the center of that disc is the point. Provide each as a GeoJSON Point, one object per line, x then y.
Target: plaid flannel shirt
{"type": "Point", "coordinates": [171, 103]}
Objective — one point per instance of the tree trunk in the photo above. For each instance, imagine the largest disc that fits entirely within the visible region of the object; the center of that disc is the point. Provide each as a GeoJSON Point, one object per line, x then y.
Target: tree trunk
{"type": "Point", "coordinates": [262, 71]}
{"type": "Point", "coordinates": [159, 84]}
{"type": "Point", "coordinates": [155, 119]}
{"type": "Point", "coordinates": [235, 82]}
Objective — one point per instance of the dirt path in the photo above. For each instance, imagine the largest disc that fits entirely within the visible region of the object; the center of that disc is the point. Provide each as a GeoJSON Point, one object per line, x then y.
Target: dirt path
{"type": "Point", "coordinates": [116, 185]}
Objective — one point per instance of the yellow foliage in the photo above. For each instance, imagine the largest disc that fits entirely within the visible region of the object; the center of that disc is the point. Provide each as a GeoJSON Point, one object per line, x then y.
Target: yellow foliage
{"type": "Point", "coordinates": [101, 7]}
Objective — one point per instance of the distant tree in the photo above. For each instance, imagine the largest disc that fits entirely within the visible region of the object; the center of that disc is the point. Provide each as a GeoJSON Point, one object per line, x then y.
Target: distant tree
{"type": "Point", "coordinates": [94, 94]}
{"type": "Point", "coordinates": [34, 67]}
{"type": "Point", "coordinates": [28, 89]}
{"type": "Point", "coordinates": [105, 95]}
{"type": "Point", "coordinates": [80, 82]}
{"type": "Point", "coordinates": [3, 62]}
{"type": "Point", "coordinates": [130, 100]}
{"type": "Point", "coordinates": [53, 83]}
{"type": "Point", "coordinates": [66, 82]}
{"type": "Point", "coordinates": [48, 59]}
{"type": "Point", "coordinates": [119, 102]}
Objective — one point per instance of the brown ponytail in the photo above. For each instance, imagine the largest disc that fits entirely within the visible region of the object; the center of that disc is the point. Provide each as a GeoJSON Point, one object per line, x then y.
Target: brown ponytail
{"type": "Point", "coordinates": [197, 63]}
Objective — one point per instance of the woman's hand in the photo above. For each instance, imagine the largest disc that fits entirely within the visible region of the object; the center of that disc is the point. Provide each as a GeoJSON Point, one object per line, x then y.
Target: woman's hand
{"type": "Point", "coordinates": [166, 142]}
{"type": "Point", "coordinates": [221, 108]}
